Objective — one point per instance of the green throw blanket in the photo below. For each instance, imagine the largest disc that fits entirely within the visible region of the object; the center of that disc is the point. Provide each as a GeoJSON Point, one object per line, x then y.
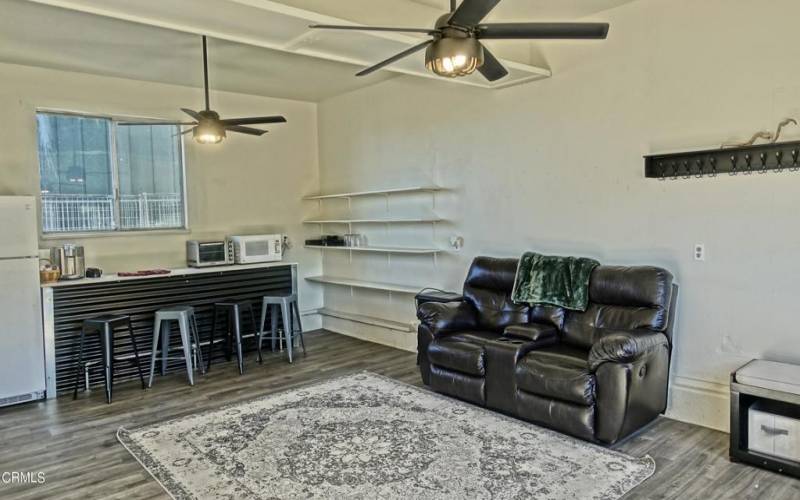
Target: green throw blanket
{"type": "Point", "coordinates": [549, 279]}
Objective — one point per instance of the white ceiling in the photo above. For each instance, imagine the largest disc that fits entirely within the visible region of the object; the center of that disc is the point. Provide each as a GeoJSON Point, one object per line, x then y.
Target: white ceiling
{"type": "Point", "coordinates": [257, 46]}
{"type": "Point", "coordinates": [51, 37]}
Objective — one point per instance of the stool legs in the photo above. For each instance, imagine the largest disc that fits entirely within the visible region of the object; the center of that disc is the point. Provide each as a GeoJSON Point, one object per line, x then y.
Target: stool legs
{"type": "Point", "coordinates": [211, 339]}
{"type": "Point", "coordinates": [154, 352]}
{"type": "Point", "coordinates": [166, 333]}
{"type": "Point", "coordinates": [287, 327]}
{"type": "Point", "coordinates": [296, 310]}
{"type": "Point", "coordinates": [136, 353]}
{"type": "Point", "coordinates": [186, 342]}
{"type": "Point", "coordinates": [233, 331]}
{"type": "Point", "coordinates": [106, 338]}
{"type": "Point", "coordinates": [255, 329]}
{"type": "Point", "coordinates": [198, 349]}
{"type": "Point", "coordinates": [261, 328]}
{"type": "Point", "coordinates": [237, 332]}
{"type": "Point", "coordinates": [80, 364]}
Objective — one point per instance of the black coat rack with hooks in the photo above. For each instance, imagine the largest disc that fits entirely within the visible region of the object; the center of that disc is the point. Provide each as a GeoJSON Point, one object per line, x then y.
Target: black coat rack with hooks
{"type": "Point", "coordinates": [743, 160]}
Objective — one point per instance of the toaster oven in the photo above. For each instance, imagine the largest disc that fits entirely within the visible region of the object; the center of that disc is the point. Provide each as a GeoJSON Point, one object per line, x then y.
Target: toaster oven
{"type": "Point", "coordinates": [256, 248]}
{"type": "Point", "coordinates": [208, 253]}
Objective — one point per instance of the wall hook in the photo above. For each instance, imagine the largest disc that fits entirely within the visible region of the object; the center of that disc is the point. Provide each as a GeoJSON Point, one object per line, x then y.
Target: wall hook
{"type": "Point", "coordinates": [748, 160]}
{"type": "Point", "coordinates": [779, 161]}
{"type": "Point", "coordinates": [763, 157]}
{"type": "Point", "coordinates": [733, 165]}
{"type": "Point", "coordinates": [794, 166]}
{"type": "Point", "coordinates": [700, 172]}
{"type": "Point", "coordinates": [713, 162]}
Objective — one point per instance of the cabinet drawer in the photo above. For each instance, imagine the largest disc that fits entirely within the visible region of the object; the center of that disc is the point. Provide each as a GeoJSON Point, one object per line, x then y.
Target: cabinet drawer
{"type": "Point", "coordinates": [773, 434]}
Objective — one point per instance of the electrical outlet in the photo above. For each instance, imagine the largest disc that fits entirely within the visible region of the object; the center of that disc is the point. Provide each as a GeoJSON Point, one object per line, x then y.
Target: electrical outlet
{"type": "Point", "coordinates": [699, 251]}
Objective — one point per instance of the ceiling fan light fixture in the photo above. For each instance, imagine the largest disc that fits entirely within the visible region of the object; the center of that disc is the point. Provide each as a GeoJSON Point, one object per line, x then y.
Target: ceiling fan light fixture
{"type": "Point", "coordinates": [209, 132]}
{"type": "Point", "coordinates": [454, 57]}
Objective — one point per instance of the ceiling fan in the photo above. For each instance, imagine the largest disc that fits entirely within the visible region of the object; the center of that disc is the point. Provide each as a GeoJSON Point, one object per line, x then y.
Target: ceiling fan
{"type": "Point", "coordinates": [209, 128]}
{"type": "Point", "coordinates": [454, 48]}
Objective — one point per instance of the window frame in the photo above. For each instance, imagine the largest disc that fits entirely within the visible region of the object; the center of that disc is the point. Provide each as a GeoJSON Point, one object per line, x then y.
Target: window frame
{"type": "Point", "coordinates": [114, 120]}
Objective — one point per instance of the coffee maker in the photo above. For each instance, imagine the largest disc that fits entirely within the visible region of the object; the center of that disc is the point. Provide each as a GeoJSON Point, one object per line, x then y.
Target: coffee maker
{"type": "Point", "coordinates": [69, 259]}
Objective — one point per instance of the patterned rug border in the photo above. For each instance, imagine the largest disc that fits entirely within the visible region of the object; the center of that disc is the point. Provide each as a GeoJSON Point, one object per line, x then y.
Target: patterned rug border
{"type": "Point", "coordinates": [160, 476]}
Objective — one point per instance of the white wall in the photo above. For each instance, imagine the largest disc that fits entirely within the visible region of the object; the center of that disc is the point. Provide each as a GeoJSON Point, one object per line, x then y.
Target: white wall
{"type": "Point", "coordinates": [245, 185]}
{"type": "Point", "coordinates": [556, 166]}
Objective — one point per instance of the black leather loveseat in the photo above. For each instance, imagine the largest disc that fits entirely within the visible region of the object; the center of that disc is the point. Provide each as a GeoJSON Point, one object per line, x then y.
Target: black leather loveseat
{"type": "Point", "coordinates": [598, 375]}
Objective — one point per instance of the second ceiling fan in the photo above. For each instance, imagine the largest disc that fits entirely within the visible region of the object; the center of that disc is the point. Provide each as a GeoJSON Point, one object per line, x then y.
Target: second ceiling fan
{"type": "Point", "coordinates": [454, 48]}
{"type": "Point", "coordinates": [209, 128]}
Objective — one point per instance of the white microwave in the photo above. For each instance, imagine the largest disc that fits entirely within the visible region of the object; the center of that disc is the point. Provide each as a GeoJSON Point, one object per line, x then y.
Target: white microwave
{"type": "Point", "coordinates": [256, 248]}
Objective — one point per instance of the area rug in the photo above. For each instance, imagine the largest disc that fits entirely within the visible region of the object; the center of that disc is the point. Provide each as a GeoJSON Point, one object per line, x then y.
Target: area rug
{"type": "Point", "coordinates": [367, 436]}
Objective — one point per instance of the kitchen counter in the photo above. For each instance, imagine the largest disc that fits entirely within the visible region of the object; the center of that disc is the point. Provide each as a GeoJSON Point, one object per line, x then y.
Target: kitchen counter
{"type": "Point", "coordinates": [66, 304]}
{"type": "Point", "coordinates": [185, 271]}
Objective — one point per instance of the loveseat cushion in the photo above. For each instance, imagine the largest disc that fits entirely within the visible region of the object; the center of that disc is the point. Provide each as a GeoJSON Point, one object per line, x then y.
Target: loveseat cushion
{"type": "Point", "coordinates": [464, 357]}
{"type": "Point", "coordinates": [621, 298]}
{"type": "Point", "coordinates": [535, 332]}
{"type": "Point", "coordinates": [559, 372]}
{"type": "Point", "coordinates": [488, 289]}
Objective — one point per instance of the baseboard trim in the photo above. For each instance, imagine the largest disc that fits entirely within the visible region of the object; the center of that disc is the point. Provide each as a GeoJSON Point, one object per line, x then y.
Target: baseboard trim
{"type": "Point", "coordinates": [406, 341]}
{"type": "Point", "coordinates": [699, 402]}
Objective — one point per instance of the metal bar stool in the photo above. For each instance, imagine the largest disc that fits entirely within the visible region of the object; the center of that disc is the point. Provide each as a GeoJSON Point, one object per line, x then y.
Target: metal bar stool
{"type": "Point", "coordinates": [190, 340]}
{"type": "Point", "coordinates": [233, 309]}
{"type": "Point", "coordinates": [103, 327]}
{"type": "Point", "coordinates": [287, 305]}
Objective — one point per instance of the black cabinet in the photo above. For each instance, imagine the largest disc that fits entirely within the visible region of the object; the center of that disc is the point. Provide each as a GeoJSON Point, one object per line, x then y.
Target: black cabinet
{"type": "Point", "coordinates": [782, 408]}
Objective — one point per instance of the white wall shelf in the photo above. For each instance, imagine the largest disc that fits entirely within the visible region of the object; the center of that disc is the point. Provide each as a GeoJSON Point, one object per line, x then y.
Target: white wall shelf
{"type": "Point", "coordinates": [378, 192]}
{"type": "Point", "coordinates": [411, 250]}
{"type": "Point", "coordinates": [384, 220]}
{"type": "Point", "coordinates": [368, 285]}
{"type": "Point", "coordinates": [368, 320]}
{"type": "Point", "coordinates": [388, 218]}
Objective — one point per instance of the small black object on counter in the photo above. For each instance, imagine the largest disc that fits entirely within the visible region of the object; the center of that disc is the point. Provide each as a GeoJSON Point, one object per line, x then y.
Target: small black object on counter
{"type": "Point", "coordinates": [94, 272]}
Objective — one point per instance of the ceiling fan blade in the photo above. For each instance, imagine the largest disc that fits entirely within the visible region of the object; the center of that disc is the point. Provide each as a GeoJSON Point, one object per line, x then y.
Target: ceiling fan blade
{"type": "Point", "coordinates": [245, 130]}
{"type": "Point", "coordinates": [539, 31]}
{"type": "Point", "coordinates": [394, 58]}
{"type": "Point", "coordinates": [370, 28]}
{"type": "Point", "coordinates": [193, 114]}
{"type": "Point", "coordinates": [491, 69]}
{"type": "Point", "coordinates": [184, 132]}
{"type": "Point", "coordinates": [471, 12]}
{"type": "Point", "coordinates": [253, 120]}
{"type": "Point", "coordinates": [154, 122]}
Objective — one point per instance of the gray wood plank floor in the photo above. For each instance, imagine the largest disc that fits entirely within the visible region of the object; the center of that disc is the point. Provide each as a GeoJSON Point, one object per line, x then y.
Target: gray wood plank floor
{"type": "Point", "coordinates": [74, 443]}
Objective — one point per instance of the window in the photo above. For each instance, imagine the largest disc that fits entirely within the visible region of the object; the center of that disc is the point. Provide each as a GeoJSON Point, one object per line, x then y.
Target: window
{"type": "Point", "coordinates": [104, 174]}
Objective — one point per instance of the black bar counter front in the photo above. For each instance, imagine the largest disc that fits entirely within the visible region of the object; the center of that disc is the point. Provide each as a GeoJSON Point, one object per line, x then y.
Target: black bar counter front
{"type": "Point", "coordinates": [67, 304]}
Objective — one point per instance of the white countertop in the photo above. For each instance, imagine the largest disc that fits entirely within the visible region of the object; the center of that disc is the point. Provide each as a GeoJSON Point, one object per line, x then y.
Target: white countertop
{"type": "Point", "coordinates": [175, 272]}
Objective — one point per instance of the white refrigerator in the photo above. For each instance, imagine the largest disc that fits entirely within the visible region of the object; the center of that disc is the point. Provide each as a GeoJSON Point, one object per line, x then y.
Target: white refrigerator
{"type": "Point", "coordinates": [22, 368]}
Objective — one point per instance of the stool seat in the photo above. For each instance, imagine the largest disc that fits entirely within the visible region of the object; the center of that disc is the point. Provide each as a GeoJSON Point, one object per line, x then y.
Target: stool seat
{"type": "Point", "coordinates": [113, 319]}
{"type": "Point", "coordinates": [175, 312]}
{"type": "Point", "coordinates": [104, 327]}
{"type": "Point", "coordinates": [279, 298]}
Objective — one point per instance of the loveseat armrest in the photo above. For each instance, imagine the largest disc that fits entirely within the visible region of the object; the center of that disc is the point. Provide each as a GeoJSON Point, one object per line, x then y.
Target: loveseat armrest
{"type": "Point", "coordinates": [535, 332]}
{"type": "Point", "coordinates": [625, 346]}
{"type": "Point", "coordinates": [447, 317]}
